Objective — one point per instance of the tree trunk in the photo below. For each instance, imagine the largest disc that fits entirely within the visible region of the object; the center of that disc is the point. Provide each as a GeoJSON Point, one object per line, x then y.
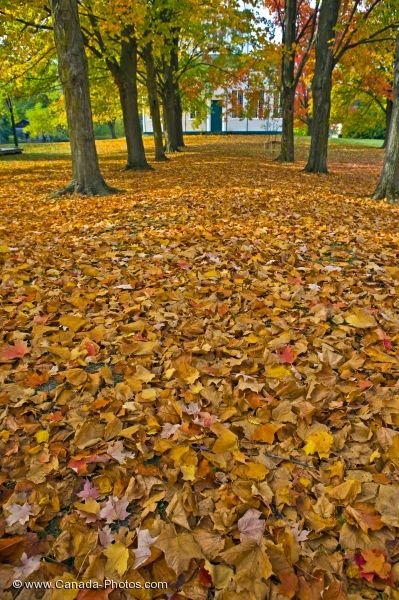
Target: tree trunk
{"type": "Point", "coordinates": [322, 86]}
{"type": "Point", "coordinates": [72, 66]}
{"type": "Point", "coordinates": [12, 118]}
{"type": "Point", "coordinates": [174, 63]}
{"type": "Point", "coordinates": [287, 137]}
{"type": "Point", "coordinates": [169, 111]}
{"type": "Point", "coordinates": [153, 100]}
{"type": "Point", "coordinates": [171, 100]}
{"type": "Point", "coordinates": [388, 116]}
{"type": "Point", "coordinates": [388, 185]}
{"type": "Point", "coordinates": [309, 123]}
{"type": "Point", "coordinates": [287, 82]}
{"type": "Point", "coordinates": [111, 125]}
{"type": "Point", "coordinates": [125, 77]}
{"type": "Point", "coordinates": [179, 117]}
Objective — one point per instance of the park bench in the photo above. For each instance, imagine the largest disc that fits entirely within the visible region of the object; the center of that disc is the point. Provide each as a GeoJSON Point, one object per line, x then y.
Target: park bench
{"type": "Point", "coordinates": [4, 151]}
{"type": "Point", "coordinates": [272, 144]}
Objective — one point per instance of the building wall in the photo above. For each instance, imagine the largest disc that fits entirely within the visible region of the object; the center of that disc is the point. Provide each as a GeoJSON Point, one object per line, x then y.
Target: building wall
{"type": "Point", "coordinates": [230, 123]}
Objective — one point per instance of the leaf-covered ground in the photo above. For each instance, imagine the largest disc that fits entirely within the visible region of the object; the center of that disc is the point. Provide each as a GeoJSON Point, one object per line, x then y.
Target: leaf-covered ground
{"type": "Point", "coordinates": [199, 378]}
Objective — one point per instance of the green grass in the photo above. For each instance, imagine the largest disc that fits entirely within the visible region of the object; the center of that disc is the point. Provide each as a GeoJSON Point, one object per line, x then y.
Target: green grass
{"type": "Point", "coordinates": [356, 142]}
{"type": "Point", "coordinates": [369, 143]}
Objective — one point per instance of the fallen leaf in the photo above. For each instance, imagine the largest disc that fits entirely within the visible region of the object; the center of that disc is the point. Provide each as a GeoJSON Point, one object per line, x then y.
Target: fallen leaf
{"type": "Point", "coordinates": [114, 509]}
{"type": "Point", "coordinates": [319, 442]}
{"type": "Point", "coordinates": [251, 526]}
{"type": "Point", "coordinates": [179, 548]}
{"type": "Point", "coordinates": [18, 513]}
{"type": "Point", "coordinates": [361, 319]}
{"type": "Point", "coordinates": [117, 558]}
{"type": "Point", "coordinates": [17, 350]}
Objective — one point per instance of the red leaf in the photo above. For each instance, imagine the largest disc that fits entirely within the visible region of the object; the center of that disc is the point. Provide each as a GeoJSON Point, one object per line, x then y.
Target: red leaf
{"type": "Point", "coordinates": [91, 348]}
{"type": "Point", "coordinates": [79, 466]}
{"type": "Point", "coordinates": [286, 355]}
{"type": "Point", "coordinates": [204, 577]}
{"type": "Point", "coordinates": [182, 264]}
{"type": "Point", "coordinates": [364, 384]}
{"type": "Point", "coordinates": [18, 350]}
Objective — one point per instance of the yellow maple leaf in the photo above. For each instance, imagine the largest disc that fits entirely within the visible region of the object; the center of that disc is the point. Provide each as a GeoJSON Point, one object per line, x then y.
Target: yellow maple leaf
{"type": "Point", "coordinates": [277, 372]}
{"type": "Point", "coordinates": [67, 592]}
{"type": "Point", "coordinates": [60, 351]}
{"type": "Point", "coordinates": [319, 442]}
{"type": "Point", "coordinates": [42, 436]}
{"type": "Point", "coordinates": [251, 470]}
{"type": "Point", "coordinates": [210, 274]}
{"type": "Point", "coordinates": [177, 453]}
{"type": "Point", "coordinates": [185, 370]}
{"type": "Point", "coordinates": [226, 439]}
{"type": "Point", "coordinates": [117, 557]}
{"type": "Point", "coordinates": [188, 472]}
{"type": "Point", "coordinates": [73, 322]}
{"type": "Point", "coordinates": [89, 506]}
{"type": "Point", "coordinates": [361, 319]}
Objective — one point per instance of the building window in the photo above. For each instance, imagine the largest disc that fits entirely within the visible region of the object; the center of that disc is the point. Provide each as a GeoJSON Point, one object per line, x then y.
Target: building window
{"type": "Point", "coordinates": [237, 104]}
{"type": "Point", "coordinates": [194, 114]}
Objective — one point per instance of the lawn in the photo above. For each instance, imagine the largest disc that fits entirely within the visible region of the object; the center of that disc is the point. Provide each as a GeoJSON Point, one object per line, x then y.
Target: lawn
{"type": "Point", "coordinates": [198, 375]}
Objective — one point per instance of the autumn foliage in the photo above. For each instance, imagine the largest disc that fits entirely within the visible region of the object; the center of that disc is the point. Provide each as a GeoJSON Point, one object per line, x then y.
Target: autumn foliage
{"type": "Point", "coordinates": [198, 378]}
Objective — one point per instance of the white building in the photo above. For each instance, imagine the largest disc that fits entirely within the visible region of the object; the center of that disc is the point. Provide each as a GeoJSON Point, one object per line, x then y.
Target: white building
{"type": "Point", "coordinates": [233, 111]}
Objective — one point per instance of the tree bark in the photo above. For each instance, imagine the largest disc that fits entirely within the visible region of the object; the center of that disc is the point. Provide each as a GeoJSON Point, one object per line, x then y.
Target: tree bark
{"type": "Point", "coordinates": [179, 117]}
{"type": "Point", "coordinates": [111, 125]}
{"type": "Point", "coordinates": [388, 185]}
{"type": "Point", "coordinates": [287, 152]}
{"type": "Point", "coordinates": [321, 87]}
{"type": "Point", "coordinates": [309, 123]}
{"type": "Point", "coordinates": [169, 111]}
{"type": "Point", "coordinates": [174, 63]}
{"type": "Point", "coordinates": [12, 118]}
{"type": "Point", "coordinates": [388, 116]}
{"type": "Point", "coordinates": [125, 77]}
{"type": "Point", "coordinates": [171, 99]}
{"type": "Point", "coordinates": [153, 100]}
{"type": "Point", "coordinates": [72, 65]}
{"type": "Point", "coordinates": [288, 83]}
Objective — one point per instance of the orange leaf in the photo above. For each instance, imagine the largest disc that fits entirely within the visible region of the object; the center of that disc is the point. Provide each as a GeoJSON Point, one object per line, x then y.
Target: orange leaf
{"type": "Point", "coordinates": [265, 433]}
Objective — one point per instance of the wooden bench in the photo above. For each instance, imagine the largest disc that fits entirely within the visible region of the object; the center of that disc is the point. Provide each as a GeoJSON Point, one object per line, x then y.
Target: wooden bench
{"type": "Point", "coordinates": [272, 144]}
{"type": "Point", "coordinates": [4, 151]}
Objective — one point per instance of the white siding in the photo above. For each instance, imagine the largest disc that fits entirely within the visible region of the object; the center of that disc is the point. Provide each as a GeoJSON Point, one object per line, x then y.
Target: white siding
{"type": "Point", "coordinates": [229, 124]}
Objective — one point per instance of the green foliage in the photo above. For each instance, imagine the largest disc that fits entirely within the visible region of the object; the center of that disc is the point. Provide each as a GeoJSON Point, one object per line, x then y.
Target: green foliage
{"type": "Point", "coordinates": [360, 114]}
{"type": "Point", "coordinates": [46, 121]}
{"type": "Point", "coordinates": [5, 129]}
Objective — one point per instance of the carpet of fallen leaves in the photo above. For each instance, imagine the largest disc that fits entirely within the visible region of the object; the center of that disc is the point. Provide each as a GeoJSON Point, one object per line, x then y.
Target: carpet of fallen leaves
{"type": "Point", "coordinates": [199, 378]}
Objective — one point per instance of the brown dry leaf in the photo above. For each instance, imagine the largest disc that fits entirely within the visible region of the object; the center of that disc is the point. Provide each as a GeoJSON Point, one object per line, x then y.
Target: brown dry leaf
{"type": "Point", "coordinates": [184, 369]}
{"type": "Point", "coordinates": [345, 492]}
{"type": "Point", "coordinates": [193, 352]}
{"type": "Point", "coordinates": [89, 434]}
{"type": "Point", "coordinates": [251, 563]}
{"type": "Point", "coordinates": [179, 548]}
{"type": "Point", "coordinates": [387, 504]}
{"type": "Point", "coordinates": [365, 516]}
